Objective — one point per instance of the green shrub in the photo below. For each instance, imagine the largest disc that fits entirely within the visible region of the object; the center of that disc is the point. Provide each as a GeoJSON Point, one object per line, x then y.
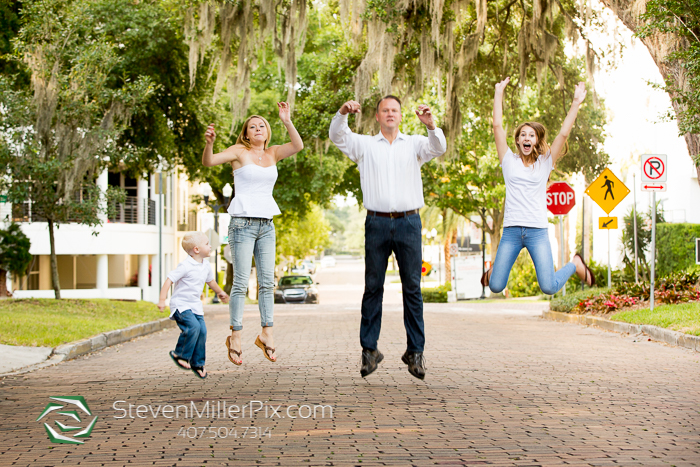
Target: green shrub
{"type": "Point", "coordinates": [436, 294]}
{"type": "Point", "coordinates": [523, 278]}
{"type": "Point", "coordinates": [675, 247]}
{"type": "Point", "coordinates": [567, 303]}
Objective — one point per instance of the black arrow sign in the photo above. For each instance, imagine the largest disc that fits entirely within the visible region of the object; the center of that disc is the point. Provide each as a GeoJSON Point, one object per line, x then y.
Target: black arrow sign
{"type": "Point", "coordinates": [605, 224]}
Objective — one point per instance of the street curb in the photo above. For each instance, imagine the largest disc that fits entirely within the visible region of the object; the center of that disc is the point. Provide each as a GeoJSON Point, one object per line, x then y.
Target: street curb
{"type": "Point", "coordinates": [106, 339]}
{"type": "Point", "coordinates": [656, 333]}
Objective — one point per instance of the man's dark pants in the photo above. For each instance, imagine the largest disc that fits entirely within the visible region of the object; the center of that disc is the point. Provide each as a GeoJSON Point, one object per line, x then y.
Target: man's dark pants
{"type": "Point", "coordinates": [401, 235]}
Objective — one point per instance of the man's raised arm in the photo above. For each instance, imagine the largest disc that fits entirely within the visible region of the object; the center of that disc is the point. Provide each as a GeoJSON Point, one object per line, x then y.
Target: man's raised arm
{"type": "Point", "coordinates": [340, 133]}
{"type": "Point", "coordinates": [437, 144]}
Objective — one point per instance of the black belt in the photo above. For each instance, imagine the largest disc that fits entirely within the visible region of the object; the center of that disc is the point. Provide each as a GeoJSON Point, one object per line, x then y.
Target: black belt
{"type": "Point", "coordinates": [393, 215]}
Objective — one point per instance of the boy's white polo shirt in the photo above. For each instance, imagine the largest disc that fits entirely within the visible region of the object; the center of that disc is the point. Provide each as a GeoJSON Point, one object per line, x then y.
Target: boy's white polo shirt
{"type": "Point", "coordinates": [189, 278]}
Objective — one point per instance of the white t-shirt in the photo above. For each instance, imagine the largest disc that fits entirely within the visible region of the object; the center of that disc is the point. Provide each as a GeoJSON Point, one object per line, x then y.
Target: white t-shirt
{"type": "Point", "coordinates": [526, 191]}
{"type": "Point", "coordinates": [189, 278]}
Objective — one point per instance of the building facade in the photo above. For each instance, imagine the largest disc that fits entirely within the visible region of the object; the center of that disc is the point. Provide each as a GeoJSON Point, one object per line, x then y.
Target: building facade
{"type": "Point", "coordinates": [132, 251]}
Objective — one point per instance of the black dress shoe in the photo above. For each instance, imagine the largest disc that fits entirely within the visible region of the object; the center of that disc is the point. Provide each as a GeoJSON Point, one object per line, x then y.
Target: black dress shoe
{"type": "Point", "coordinates": [370, 360]}
{"type": "Point", "coordinates": [415, 362]}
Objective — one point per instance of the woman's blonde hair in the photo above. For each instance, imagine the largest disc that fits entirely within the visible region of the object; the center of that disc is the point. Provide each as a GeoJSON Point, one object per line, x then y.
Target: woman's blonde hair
{"type": "Point", "coordinates": [243, 137]}
{"type": "Point", "coordinates": [541, 148]}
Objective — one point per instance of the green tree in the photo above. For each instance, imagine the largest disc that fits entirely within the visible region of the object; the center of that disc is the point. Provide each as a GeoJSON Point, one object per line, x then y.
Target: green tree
{"type": "Point", "coordinates": [14, 254]}
{"type": "Point", "coordinates": [298, 237]}
{"type": "Point", "coordinates": [57, 135]}
{"type": "Point", "coordinates": [670, 29]}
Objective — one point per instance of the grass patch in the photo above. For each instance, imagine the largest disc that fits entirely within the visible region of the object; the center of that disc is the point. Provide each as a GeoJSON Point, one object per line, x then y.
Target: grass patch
{"type": "Point", "coordinates": [682, 317]}
{"type": "Point", "coordinates": [49, 322]}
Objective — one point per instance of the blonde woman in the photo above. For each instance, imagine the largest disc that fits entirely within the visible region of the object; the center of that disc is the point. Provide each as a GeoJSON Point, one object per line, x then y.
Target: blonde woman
{"type": "Point", "coordinates": [251, 231]}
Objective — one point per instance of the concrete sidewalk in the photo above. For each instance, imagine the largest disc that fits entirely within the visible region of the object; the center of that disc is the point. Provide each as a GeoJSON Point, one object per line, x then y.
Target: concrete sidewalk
{"type": "Point", "coordinates": [504, 387]}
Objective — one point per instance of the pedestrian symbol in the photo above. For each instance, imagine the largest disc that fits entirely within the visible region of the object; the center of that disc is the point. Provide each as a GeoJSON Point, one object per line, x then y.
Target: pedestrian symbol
{"type": "Point", "coordinates": [607, 191]}
{"type": "Point", "coordinates": [608, 185]}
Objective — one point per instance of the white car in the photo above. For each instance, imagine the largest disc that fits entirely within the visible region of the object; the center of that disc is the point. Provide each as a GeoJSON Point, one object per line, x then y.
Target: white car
{"type": "Point", "coordinates": [301, 269]}
{"type": "Point", "coordinates": [328, 262]}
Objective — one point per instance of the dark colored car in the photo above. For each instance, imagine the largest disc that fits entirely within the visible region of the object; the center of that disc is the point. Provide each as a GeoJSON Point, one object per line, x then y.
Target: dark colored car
{"type": "Point", "coordinates": [296, 289]}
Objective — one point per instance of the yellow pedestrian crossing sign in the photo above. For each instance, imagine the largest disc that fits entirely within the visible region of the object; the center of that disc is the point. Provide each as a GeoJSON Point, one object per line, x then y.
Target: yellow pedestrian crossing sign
{"type": "Point", "coordinates": [607, 191]}
{"type": "Point", "coordinates": [607, 223]}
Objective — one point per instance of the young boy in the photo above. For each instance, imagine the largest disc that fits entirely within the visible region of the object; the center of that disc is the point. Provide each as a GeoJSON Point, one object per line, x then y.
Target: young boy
{"type": "Point", "coordinates": [185, 306]}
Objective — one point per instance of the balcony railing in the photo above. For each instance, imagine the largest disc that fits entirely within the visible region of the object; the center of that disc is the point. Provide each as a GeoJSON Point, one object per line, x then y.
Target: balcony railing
{"type": "Point", "coordinates": [121, 213]}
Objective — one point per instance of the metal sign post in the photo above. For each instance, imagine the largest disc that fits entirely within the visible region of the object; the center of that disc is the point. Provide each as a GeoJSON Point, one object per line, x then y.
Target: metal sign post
{"type": "Point", "coordinates": [634, 213]}
{"type": "Point", "coordinates": [654, 173]}
{"type": "Point", "coordinates": [653, 250]}
{"type": "Point", "coordinates": [561, 249]}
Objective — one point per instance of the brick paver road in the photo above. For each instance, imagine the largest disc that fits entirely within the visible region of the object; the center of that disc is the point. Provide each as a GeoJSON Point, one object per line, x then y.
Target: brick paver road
{"type": "Point", "coordinates": [504, 387]}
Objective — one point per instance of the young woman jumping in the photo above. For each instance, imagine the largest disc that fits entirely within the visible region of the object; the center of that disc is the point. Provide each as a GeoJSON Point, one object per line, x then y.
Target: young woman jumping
{"type": "Point", "coordinates": [525, 219]}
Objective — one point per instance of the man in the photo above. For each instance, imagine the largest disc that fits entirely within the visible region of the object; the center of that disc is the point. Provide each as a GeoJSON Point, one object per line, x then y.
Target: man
{"type": "Point", "coordinates": [389, 165]}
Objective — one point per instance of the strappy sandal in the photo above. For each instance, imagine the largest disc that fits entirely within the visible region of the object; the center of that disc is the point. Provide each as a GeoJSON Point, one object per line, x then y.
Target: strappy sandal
{"type": "Point", "coordinates": [177, 359]}
{"type": "Point", "coordinates": [265, 349]}
{"type": "Point", "coordinates": [587, 272]}
{"type": "Point", "coordinates": [486, 277]}
{"type": "Point", "coordinates": [228, 346]}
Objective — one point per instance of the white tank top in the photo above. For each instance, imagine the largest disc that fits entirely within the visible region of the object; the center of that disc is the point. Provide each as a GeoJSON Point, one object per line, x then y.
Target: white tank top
{"type": "Point", "coordinates": [254, 186]}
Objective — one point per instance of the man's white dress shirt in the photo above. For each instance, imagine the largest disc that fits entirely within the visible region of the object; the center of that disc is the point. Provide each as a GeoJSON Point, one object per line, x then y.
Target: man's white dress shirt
{"type": "Point", "coordinates": [389, 173]}
{"type": "Point", "coordinates": [189, 278]}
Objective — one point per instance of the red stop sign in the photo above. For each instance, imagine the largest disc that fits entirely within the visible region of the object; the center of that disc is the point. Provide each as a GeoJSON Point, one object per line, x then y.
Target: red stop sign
{"type": "Point", "coordinates": [560, 198]}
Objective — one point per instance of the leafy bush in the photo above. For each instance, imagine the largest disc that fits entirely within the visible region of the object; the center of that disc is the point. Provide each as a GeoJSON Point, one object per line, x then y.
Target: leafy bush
{"type": "Point", "coordinates": [567, 303]}
{"type": "Point", "coordinates": [523, 278]}
{"type": "Point", "coordinates": [674, 288]}
{"type": "Point", "coordinates": [675, 247]}
{"type": "Point", "coordinates": [436, 294]}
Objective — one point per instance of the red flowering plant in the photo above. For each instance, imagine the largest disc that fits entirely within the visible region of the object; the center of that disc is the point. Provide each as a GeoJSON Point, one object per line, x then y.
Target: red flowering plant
{"type": "Point", "coordinates": [674, 288]}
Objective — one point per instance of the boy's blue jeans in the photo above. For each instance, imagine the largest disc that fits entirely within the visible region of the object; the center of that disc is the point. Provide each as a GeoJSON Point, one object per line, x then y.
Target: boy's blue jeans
{"type": "Point", "coordinates": [401, 235]}
{"type": "Point", "coordinates": [536, 241]}
{"type": "Point", "coordinates": [248, 237]}
{"type": "Point", "coordinates": [192, 343]}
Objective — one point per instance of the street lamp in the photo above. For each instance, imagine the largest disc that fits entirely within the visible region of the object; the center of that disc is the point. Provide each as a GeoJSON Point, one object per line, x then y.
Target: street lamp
{"type": "Point", "coordinates": [483, 251]}
{"type": "Point", "coordinates": [205, 189]}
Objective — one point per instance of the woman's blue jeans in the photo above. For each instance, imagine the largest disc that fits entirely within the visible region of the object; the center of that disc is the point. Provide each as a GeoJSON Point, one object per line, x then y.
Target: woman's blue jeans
{"type": "Point", "coordinates": [192, 343]}
{"type": "Point", "coordinates": [248, 237]}
{"type": "Point", "coordinates": [536, 241]}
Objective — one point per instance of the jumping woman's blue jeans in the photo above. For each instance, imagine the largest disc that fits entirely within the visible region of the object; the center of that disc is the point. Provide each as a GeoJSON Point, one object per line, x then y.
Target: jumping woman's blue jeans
{"type": "Point", "coordinates": [248, 237]}
{"type": "Point", "coordinates": [536, 241]}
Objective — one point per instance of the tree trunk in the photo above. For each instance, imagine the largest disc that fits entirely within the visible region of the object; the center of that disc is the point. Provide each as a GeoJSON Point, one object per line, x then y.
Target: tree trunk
{"type": "Point", "coordinates": [660, 46]}
{"type": "Point", "coordinates": [449, 239]}
{"type": "Point", "coordinates": [229, 278]}
{"type": "Point", "coordinates": [3, 283]}
{"type": "Point", "coordinates": [54, 263]}
{"type": "Point", "coordinates": [495, 231]}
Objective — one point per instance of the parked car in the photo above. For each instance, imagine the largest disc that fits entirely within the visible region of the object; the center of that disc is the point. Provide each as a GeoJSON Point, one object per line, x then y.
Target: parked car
{"type": "Point", "coordinates": [296, 289]}
{"type": "Point", "coordinates": [310, 266]}
{"type": "Point", "coordinates": [302, 269]}
{"type": "Point", "coordinates": [328, 262]}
